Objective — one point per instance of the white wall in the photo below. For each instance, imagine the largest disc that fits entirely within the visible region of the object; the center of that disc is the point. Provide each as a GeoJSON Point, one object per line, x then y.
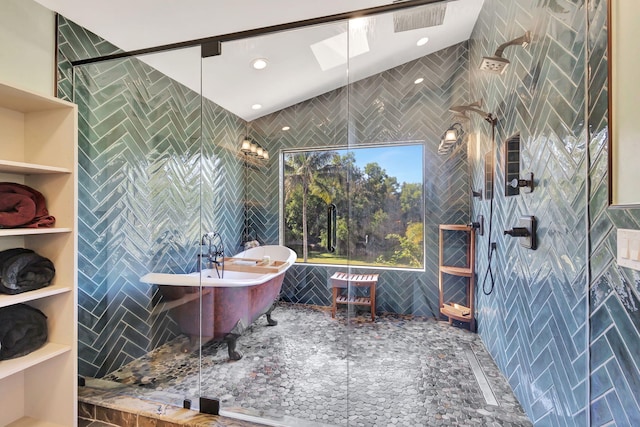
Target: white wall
{"type": "Point", "coordinates": [625, 94]}
{"type": "Point", "coordinates": [27, 45]}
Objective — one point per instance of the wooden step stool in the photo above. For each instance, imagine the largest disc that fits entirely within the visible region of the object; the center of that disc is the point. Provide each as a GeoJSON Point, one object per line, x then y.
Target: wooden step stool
{"type": "Point", "coordinates": [342, 280]}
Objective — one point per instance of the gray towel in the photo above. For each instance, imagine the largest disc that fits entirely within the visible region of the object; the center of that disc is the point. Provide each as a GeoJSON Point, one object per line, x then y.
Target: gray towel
{"type": "Point", "coordinates": [23, 329]}
{"type": "Point", "coordinates": [23, 270]}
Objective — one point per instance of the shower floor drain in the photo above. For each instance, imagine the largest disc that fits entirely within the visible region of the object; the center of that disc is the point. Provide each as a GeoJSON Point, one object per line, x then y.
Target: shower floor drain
{"type": "Point", "coordinates": [481, 378]}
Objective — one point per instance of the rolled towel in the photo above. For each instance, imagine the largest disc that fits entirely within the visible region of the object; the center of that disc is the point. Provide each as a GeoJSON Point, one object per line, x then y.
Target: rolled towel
{"type": "Point", "coordinates": [251, 244]}
{"type": "Point", "coordinates": [23, 270]}
{"type": "Point", "coordinates": [244, 262]}
{"type": "Point", "coordinates": [23, 329]}
{"type": "Point", "coordinates": [23, 206]}
{"type": "Point", "coordinates": [16, 209]}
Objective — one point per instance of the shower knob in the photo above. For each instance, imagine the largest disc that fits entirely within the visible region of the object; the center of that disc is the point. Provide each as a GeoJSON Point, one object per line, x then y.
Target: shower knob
{"type": "Point", "coordinates": [526, 183]}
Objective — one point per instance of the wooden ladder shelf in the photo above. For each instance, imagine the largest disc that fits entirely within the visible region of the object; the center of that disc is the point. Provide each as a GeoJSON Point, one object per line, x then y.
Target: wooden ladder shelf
{"type": "Point", "coordinates": [455, 311]}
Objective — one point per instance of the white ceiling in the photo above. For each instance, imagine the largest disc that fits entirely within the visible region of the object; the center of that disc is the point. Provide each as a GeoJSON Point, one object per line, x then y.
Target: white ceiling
{"type": "Point", "coordinates": [293, 73]}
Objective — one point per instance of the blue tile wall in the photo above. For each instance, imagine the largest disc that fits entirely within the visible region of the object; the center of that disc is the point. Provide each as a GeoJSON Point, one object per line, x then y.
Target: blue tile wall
{"type": "Point", "coordinates": [534, 323]}
{"type": "Point", "coordinates": [141, 164]}
{"type": "Point", "coordinates": [540, 318]}
{"type": "Point", "coordinates": [385, 108]}
{"type": "Point", "coordinates": [144, 200]}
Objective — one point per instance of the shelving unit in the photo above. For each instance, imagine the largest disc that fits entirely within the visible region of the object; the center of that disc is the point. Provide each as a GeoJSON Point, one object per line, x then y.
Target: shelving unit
{"type": "Point", "coordinates": [38, 148]}
{"type": "Point", "coordinates": [456, 311]}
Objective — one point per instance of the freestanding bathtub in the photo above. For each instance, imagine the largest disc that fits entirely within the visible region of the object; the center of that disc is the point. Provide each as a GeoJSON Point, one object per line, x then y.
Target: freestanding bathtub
{"type": "Point", "coordinates": [229, 304]}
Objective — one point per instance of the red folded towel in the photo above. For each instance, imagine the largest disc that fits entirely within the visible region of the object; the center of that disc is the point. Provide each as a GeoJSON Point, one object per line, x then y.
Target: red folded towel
{"type": "Point", "coordinates": [22, 206]}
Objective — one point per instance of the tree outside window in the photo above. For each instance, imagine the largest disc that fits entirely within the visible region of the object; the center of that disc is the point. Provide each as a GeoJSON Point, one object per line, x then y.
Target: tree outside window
{"type": "Point", "coordinates": [379, 199]}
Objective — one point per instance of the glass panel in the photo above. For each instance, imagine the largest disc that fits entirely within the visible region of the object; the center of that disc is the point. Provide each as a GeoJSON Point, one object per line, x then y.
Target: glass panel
{"type": "Point", "coordinates": [287, 372]}
{"type": "Point", "coordinates": [392, 357]}
{"type": "Point", "coordinates": [139, 222]}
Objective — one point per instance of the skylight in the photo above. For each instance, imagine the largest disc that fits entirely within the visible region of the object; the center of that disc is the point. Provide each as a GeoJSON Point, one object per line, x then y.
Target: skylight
{"type": "Point", "coordinates": [332, 52]}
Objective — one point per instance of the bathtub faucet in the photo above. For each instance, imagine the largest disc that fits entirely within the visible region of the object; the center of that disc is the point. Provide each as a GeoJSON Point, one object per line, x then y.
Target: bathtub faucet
{"type": "Point", "coordinates": [215, 254]}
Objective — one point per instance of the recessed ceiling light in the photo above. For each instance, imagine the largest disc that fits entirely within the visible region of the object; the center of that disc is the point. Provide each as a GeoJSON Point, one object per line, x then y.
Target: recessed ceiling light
{"type": "Point", "coordinates": [423, 41]}
{"type": "Point", "coordinates": [256, 106]}
{"type": "Point", "coordinates": [259, 63]}
{"type": "Point", "coordinates": [286, 128]}
{"type": "Point", "coordinates": [418, 80]}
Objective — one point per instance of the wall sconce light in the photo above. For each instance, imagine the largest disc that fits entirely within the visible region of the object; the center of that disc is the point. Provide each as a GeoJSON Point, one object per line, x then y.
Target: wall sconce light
{"type": "Point", "coordinates": [248, 147]}
{"type": "Point", "coordinates": [452, 137]}
{"type": "Point", "coordinates": [245, 146]}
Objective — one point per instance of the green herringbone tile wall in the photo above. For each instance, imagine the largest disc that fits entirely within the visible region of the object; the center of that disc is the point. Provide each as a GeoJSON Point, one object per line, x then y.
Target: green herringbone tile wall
{"type": "Point", "coordinates": [385, 108]}
{"type": "Point", "coordinates": [570, 355]}
{"type": "Point", "coordinates": [147, 192]}
{"type": "Point", "coordinates": [152, 180]}
{"type": "Point", "coordinates": [534, 322]}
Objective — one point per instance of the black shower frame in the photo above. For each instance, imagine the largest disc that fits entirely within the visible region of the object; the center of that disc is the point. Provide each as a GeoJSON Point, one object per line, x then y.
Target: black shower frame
{"type": "Point", "coordinates": [211, 46]}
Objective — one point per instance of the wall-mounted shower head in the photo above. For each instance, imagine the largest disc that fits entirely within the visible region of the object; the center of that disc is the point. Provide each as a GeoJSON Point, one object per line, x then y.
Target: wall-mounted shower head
{"type": "Point", "coordinates": [496, 63]}
{"type": "Point", "coordinates": [461, 110]}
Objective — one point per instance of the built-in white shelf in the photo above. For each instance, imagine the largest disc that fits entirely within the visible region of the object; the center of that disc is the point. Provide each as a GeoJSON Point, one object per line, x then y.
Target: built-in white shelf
{"type": "Point", "coordinates": [38, 148]}
{"type": "Point", "coordinates": [8, 166]}
{"type": "Point", "coordinates": [7, 300]}
{"type": "Point", "coordinates": [32, 231]}
{"type": "Point", "coordinates": [44, 353]}
{"type": "Point", "coordinates": [26, 101]}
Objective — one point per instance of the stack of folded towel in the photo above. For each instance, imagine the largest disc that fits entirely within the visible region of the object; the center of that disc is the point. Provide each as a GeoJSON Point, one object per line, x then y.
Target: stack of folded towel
{"type": "Point", "coordinates": [22, 206]}
{"type": "Point", "coordinates": [23, 270]}
{"type": "Point", "coordinates": [23, 329]}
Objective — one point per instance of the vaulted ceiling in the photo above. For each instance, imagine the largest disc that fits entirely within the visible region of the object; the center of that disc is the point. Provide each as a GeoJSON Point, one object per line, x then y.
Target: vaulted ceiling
{"type": "Point", "coordinates": [301, 63]}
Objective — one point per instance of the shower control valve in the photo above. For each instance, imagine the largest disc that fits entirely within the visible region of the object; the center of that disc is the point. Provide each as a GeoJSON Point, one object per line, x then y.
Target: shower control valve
{"type": "Point", "coordinates": [478, 225]}
{"type": "Point", "coordinates": [517, 232]}
{"type": "Point", "coordinates": [526, 231]}
{"type": "Point", "coordinates": [526, 183]}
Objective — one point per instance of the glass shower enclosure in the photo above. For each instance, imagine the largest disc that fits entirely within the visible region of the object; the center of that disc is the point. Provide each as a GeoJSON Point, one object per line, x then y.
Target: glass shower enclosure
{"type": "Point", "coordinates": [300, 138]}
{"type": "Point", "coordinates": [143, 195]}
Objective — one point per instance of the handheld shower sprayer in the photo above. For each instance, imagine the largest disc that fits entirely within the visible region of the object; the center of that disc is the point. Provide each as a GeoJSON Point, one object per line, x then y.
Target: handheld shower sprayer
{"type": "Point", "coordinates": [208, 236]}
{"type": "Point", "coordinates": [497, 63]}
{"type": "Point", "coordinates": [461, 111]}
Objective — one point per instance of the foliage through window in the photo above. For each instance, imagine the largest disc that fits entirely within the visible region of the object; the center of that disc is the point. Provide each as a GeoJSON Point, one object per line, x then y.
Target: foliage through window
{"type": "Point", "coordinates": [378, 193]}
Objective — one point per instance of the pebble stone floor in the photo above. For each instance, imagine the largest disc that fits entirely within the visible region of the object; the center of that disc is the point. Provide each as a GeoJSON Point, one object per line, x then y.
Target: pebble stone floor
{"type": "Point", "coordinates": [348, 371]}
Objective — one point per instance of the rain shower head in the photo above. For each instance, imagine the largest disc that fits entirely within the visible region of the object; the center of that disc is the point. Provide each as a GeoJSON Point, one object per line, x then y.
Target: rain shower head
{"type": "Point", "coordinates": [496, 63]}
{"type": "Point", "coordinates": [414, 19]}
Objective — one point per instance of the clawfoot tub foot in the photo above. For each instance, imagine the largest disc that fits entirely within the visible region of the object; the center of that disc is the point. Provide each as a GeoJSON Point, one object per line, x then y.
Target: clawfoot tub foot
{"type": "Point", "coordinates": [270, 321]}
{"type": "Point", "coordinates": [194, 343]}
{"type": "Point", "coordinates": [231, 345]}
